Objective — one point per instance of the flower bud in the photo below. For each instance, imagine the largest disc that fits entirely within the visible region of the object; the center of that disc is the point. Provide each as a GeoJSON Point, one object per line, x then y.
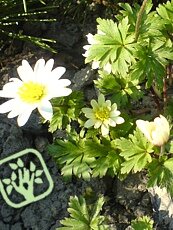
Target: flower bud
{"type": "Point", "coordinates": [157, 131]}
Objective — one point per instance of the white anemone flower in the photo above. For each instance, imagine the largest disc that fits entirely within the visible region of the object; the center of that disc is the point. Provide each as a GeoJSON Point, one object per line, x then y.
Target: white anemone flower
{"type": "Point", "coordinates": [34, 90]}
{"type": "Point", "coordinates": [102, 114]}
{"type": "Point", "coordinates": [157, 132]}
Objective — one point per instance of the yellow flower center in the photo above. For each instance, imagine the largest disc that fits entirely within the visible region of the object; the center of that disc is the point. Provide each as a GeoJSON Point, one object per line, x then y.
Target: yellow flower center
{"type": "Point", "coordinates": [102, 113]}
{"type": "Point", "coordinates": [31, 92]}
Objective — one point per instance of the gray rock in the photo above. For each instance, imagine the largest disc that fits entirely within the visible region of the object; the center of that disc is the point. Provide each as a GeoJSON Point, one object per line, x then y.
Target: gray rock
{"type": "Point", "coordinates": [162, 205]}
{"type": "Point", "coordinates": [83, 78]}
{"type": "Point", "coordinates": [4, 226]}
{"type": "Point", "coordinates": [17, 226]}
{"type": "Point", "coordinates": [127, 191]}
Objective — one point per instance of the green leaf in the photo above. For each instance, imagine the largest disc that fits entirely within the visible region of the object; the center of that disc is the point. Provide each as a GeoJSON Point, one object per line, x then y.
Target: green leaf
{"type": "Point", "coordinates": [107, 83]}
{"type": "Point", "coordinates": [107, 158]}
{"type": "Point", "coordinates": [6, 181]}
{"type": "Point", "coordinates": [32, 167]}
{"type": "Point", "coordinates": [9, 189]}
{"type": "Point", "coordinates": [97, 208]}
{"type": "Point", "coordinates": [136, 151]}
{"type": "Point", "coordinates": [160, 173]}
{"type": "Point", "coordinates": [142, 223]}
{"type": "Point", "coordinates": [13, 166]}
{"type": "Point", "coordinates": [153, 59]}
{"type": "Point", "coordinates": [72, 158]}
{"type": "Point", "coordinates": [131, 13]}
{"type": "Point", "coordinates": [38, 181]}
{"type": "Point", "coordinates": [114, 45]}
{"type": "Point", "coordinates": [20, 163]}
{"type": "Point", "coordinates": [66, 110]}
{"type": "Point", "coordinates": [83, 216]}
{"type": "Point", "coordinates": [166, 13]}
{"type": "Point", "coordinates": [122, 88]}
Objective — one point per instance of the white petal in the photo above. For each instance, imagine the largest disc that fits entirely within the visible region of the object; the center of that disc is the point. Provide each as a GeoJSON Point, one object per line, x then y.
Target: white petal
{"type": "Point", "coordinates": [114, 113]}
{"type": "Point", "coordinates": [94, 104]}
{"type": "Point", "coordinates": [119, 120]}
{"type": "Point", "coordinates": [39, 70]}
{"type": "Point", "coordinates": [59, 92]}
{"type": "Point", "coordinates": [13, 113]}
{"type": "Point", "coordinates": [88, 112]}
{"type": "Point", "coordinates": [39, 65]}
{"type": "Point", "coordinates": [10, 89]}
{"type": "Point", "coordinates": [95, 64]}
{"type": "Point", "coordinates": [114, 106]}
{"type": "Point", "coordinates": [7, 94]}
{"type": "Point", "coordinates": [58, 72]}
{"type": "Point", "coordinates": [100, 32]}
{"type": "Point", "coordinates": [57, 88]}
{"type": "Point", "coordinates": [46, 110]}
{"type": "Point", "coordinates": [108, 68]}
{"type": "Point", "coordinates": [7, 106]}
{"type": "Point", "coordinates": [87, 47]}
{"type": "Point", "coordinates": [63, 83]}
{"type": "Point", "coordinates": [161, 134]}
{"type": "Point", "coordinates": [158, 138]}
{"type": "Point", "coordinates": [146, 128]}
{"type": "Point", "coordinates": [112, 122]}
{"type": "Point", "coordinates": [90, 38]}
{"type": "Point", "coordinates": [108, 103]}
{"type": "Point", "coordinates": [23, 117]}
{"type": "Point", "coordinates": [49, 65]}
{"type": "Point", "coordinates": [104, 130]}
{"type": "Point", "coordinates": [89, 123]}
{"type": "Point", "coordinates": [25, 71]}
{"type": "Point", "coordinates": [101, 100]}
{"type": "Point", "coordinates": [162, 123]}
{"type": "Point", "coordinates": [97, 124]}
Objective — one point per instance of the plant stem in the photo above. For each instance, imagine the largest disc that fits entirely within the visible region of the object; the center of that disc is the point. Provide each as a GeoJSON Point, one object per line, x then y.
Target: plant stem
{"type": "Point", "coordinates": [24, 6]}
{"type": "Point", "coordinates": [162, 149]}
{"type": "Point", "coordinates": [139, 19]}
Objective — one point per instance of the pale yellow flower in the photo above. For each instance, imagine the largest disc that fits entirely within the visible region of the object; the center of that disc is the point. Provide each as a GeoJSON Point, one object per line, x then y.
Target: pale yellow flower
{"type": "Point", "coordinates": [102, 114]}
{"type": "Point", "coordinates": [34, 90]}
{"type": "Point", "coordinates": [157, 132]}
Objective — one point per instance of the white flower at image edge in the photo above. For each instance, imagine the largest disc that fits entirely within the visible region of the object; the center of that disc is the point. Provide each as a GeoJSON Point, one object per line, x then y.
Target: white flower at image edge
{"type": "Point", "coordinates": [33, 90]}
{"type": "Point", "coordinates": [102, 114]}
{"type": "Point", "coordinates": [95, 64]}
{"type": "Point", "coordinates": [157, 132]}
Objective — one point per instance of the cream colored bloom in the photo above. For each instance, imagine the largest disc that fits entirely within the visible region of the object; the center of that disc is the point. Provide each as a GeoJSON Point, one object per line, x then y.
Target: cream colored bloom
{"type": "Point", "coordinates": [33, 90]}
{"type": "Point", "coordinates": [157, 131]}
{"type": "Point", "coordinates": [102, 114]}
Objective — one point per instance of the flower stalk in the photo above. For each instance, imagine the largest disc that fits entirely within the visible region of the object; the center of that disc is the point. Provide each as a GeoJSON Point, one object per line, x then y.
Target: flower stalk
{"type": "Point", "coordinates": [139, 19]}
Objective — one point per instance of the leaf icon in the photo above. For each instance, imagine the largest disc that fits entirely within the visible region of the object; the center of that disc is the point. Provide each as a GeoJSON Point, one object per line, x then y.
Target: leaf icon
{"type": "Point", "coordinates": [38, 181]}
{"type": "Point", "coordinates": [9, 189]}
{"type": "Point", "coordinates": [20, 163]}
{"type": "Point", "coordinates": [6, 181]}
{"type": "Point", "coordinates": [32, 166]}
{"type": "Point", "coordinates": [13, 176]}
{"type": "Point", "coordinates": [38, 173]}
{"type": "Point", "coordinates": [13, 166]}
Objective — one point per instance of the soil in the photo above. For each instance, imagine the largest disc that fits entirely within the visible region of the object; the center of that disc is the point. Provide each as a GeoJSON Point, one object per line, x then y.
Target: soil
{"type": "Point", "coordinates": [126, 199]}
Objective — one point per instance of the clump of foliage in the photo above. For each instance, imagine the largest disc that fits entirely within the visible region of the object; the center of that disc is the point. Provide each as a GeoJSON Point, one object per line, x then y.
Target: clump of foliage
{"type": "Point", "coordinates": [132, 54]}
{"type": "Point", "coordinates": [13, 13]}
{"type": "Point", "coordinates": [84, 216]}
{"type": "Point", "coordinates": [142, 223]}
